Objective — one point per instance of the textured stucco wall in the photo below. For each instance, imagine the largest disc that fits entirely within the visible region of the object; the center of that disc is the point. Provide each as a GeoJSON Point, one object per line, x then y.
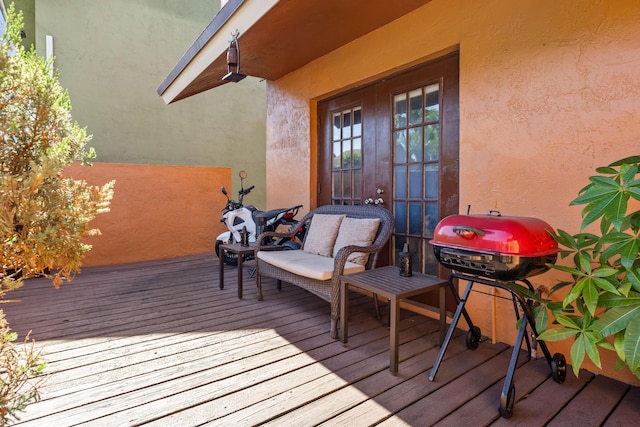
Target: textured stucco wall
{"type": "Point", "coordinates": [548, 92]}
{"type": "Point", "coordinates": [112, 55]}
{"type": "Point", "coordinates": [149, 221]}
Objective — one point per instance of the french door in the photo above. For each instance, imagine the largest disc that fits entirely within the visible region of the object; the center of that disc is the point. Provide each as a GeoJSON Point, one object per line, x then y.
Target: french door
{"type": "Point", "coordinates": [395, 144]}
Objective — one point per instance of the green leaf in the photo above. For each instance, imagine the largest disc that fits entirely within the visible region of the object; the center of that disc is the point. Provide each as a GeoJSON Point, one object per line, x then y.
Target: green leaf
{"type": "Point", "coordinates": [614, 207]}
{"type": "Point", "coordinates": [579, 320]}
{"type": "Point", "coordinates": [605, 225]}
{"type": "Point", "coordinates": [605, 272]}
{"type": "Point", "coordinates": [606, 345]}
{"type": "Point", "coordinates": [541, 317]}
{"type": "Point", "coordinates": [590, 345]}
{"type": "Point", "coordinates": [570, 270]}
{"type": "Point", "coordinates": [557, 334]}
{"type": "Point", "coordinates": [568, 321]}
{"type": "Point", "coordinates": [559, 286]}
{"type": "Point", "coordinates": [518, 323]}
{"type": "Point", "coordinates": [575, 292]}
{"type": "Point", "coordinates": [624, 287]}
{"type": "Point", "coordinates": [626, 161]}
{"type": "Point", "coordinates": [604, 197]}
{"type": "Point", "coordinates": [590, 294]}
{"type": "Point", "coordinates": [606, 285]}
{"type": "Point", "coordinates": [525, 291]}
{"type": "Point", "coordinates": [557, 308]}
{"type": "Point", "coordinates": [618, 344]}
{"type": "Point", "coordinates": [634, 192]}
{"type": "Point", "coordinates": [633, 276]}
{"type": "Point", "coordinates": [615, 320]}
{"type": "Point", "coordinates": [605, 170]}
{"type": "Point", "coordinates": [584, 262]}
{"type": "Point", "coordinates": [632, 343]}
{"type": "Point", "coordinates": [624, 245]}
{"type": "Point", "coordinates": [600, 187]}
{"type": "Point", "coordinates": [577, 354]}
{"type": "Point", "coordinates": [634, 221]}
{"type": "Point", "coordinates": [611, 300]}
{"type": "Point", "coordinates": [628, 172]}
{"type": "Point", "coordinates": [565, 239]}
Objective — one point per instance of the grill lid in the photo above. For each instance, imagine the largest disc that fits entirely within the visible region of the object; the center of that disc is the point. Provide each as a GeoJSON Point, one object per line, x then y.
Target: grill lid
{"type": "Point", "coordinates": [506, 235]}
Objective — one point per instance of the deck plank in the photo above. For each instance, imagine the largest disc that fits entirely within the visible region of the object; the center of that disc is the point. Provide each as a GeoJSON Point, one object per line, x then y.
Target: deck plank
{"type": "Point", "coordinates": [315, 400]}
{"type": "Point", "coordinates": [628, 411]}
{"type": "Point", "coordinates": [549, 399]}
{"type": "Point", "coordinates": [457, 392]}
{"type": "Point", "coordinates": [593, 405]}
{"type": "Point", "coordinates": [297, 387]}
{"type": "Point", "coordinates": [396, 401]}
{"type": "Point", "coordinates": [158, 342]}
{"type": "Point", "coordinates": [482, 410]}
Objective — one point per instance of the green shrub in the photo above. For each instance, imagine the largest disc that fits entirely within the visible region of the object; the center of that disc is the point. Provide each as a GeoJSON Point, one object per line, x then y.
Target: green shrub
{"type": "Point", "coordinates": [43, 215]}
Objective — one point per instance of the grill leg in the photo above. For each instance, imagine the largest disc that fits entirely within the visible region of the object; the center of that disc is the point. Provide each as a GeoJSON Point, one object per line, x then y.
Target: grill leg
{"type": "Point", "coordinates": [524, 320]}
{"type": "Point", "coordinates": [454, 322]}
{"type": "Point", "coordinates": [506, 403]}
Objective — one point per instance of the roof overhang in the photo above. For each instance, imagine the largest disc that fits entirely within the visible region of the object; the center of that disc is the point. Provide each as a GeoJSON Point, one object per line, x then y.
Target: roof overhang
{"type": "Point", "coordinates": [276, 37]}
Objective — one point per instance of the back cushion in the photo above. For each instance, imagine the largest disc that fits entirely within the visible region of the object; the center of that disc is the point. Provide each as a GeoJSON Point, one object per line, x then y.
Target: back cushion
{"type": "Point", "coordinates": [322, 234]}
{"type": "Point", "coordinates": [356, 231]}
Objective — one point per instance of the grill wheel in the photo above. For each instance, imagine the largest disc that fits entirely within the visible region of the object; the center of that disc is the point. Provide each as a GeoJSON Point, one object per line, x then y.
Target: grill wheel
{"type": "Point", "coordinates": [558, 368]}
{"type": "Point", "coordinates": [473, 338]}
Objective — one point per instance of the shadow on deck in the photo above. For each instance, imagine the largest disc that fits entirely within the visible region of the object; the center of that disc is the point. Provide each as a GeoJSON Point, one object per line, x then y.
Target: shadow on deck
{"type": "Point", "coordinates": [158, 343]}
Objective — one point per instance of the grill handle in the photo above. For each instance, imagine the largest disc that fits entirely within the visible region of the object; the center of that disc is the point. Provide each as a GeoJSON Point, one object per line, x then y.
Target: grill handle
{"type": "Point", "coordinates": [467, 232]}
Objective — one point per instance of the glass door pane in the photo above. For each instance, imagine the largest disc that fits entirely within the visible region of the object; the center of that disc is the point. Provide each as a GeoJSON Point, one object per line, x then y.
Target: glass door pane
{"type": "Point", "coordinates": [346, 188]}
{"type": "Point", "coordinates": [416, 166]}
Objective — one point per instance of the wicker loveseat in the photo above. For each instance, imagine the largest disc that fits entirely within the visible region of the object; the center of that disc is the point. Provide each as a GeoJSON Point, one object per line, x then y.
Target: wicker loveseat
{"type": "Point", "coordinates": [320, 273]}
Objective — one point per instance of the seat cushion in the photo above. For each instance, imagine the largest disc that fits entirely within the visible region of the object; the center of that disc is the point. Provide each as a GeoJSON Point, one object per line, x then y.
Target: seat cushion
{"type": "Point", "coordinates": [356, 231]}
{"type": "Point", "coordinates": [322, 234]}
{"type": "Point", "coordinates": [305, 264]}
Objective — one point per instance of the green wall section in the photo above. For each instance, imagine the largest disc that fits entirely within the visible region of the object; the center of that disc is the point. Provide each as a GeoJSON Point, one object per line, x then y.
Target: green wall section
{"type": "Point", "coordinates": [112, 55]}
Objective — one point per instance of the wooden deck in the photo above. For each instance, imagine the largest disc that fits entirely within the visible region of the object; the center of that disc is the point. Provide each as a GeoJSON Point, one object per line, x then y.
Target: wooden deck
{"type": "Point", "coordinates": [158, 343]}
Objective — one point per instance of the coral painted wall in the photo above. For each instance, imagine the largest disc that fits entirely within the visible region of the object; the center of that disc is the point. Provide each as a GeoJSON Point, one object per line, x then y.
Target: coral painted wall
{"type": "Point", "coordinates": [548, 92]}
{"type": "Point", "coordinates": [156, 212]}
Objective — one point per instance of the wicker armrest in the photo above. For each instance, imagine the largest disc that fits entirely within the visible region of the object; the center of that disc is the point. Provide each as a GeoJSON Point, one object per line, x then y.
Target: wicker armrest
{"type": "Point", "coordinates": [343, 254]}
{"type": "Point", "coordinates": [280, 234]}
{"type": "Point", "coordinates": [275, 234]}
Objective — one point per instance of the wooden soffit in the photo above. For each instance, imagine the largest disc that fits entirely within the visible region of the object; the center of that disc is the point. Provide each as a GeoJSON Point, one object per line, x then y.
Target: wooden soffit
{"type": "Point", "coordinates": [276, 38]}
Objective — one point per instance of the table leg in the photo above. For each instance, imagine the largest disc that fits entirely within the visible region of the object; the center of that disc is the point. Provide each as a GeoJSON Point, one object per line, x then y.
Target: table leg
{"type": "Point", "coordinates": [240, 260]}
{"type": "Point", "coordinates": [344, 310]}
{"type": "Point", "coordinates": [221, 269]}
{"type": "Point", "coordinates": [393, 333]}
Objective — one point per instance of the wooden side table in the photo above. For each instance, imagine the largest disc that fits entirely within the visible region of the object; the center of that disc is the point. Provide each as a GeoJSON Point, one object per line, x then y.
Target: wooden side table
{"type": "Point", "coordinates": [387, 282]}
{"type": "Point", "coordinates": [240, 251]}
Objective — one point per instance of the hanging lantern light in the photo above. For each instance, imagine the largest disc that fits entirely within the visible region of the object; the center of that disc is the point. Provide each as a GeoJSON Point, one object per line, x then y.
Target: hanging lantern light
{"type": "Point", "coordinates": [233, 61]}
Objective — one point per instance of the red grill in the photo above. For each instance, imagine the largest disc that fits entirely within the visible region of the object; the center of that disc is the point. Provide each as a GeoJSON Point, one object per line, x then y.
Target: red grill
{"type": "Point", "coordinates": [499, 247]}
{"type": "Point", "coordinates": [497, 250]}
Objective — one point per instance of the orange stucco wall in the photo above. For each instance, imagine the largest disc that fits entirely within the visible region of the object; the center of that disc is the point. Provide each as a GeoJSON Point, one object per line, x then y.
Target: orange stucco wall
{"type": "Point", "coordinates": [156, 212]}
{"type": "Point", "coordinates": [548, 91]}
